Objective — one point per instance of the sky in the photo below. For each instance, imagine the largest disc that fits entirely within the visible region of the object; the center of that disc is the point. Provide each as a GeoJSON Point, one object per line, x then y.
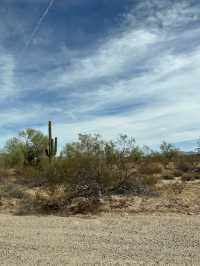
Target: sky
{"type": "Point", "coordinates": [99, 66]}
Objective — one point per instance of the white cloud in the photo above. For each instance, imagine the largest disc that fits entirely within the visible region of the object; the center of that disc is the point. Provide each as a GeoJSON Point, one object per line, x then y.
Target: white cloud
{"type": "Point", "coordinates": [7, 80]}
{"type": "Point", "coordinates": [169, 87]}
{"type": "Point", "coordinates": [141, 64]}
{"type": "Point", "coordinates": [110, 58]}
{"type": "Point", "coordinates": [169, 14]}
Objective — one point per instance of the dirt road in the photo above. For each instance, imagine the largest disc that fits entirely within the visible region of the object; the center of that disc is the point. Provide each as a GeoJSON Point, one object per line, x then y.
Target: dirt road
{"type": "Point", "coordinates": [106, 240]}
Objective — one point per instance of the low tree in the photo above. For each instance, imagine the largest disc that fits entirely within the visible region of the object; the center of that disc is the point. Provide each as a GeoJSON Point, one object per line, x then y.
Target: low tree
{"type": "Point", "coordinates": [14, 153]}
{"type": "Point", "coordinates": [87, 144]}
{"type": "Point", "coordinates": [168, 150]}
{"type": "Point", "coordinates": [25, 149]}
{"type": "Point", "coordinates": [128, 153]}
{"type": "Point", "coordinates": [86, 168]}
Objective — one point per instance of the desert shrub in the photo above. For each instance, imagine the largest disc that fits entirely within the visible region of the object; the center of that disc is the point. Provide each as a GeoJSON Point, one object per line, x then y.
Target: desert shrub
{"type": "Point", "coordinates": [87, 144]}
{"type": "Point", "coordinates": [30, 176]}
{"type": "Point", "coordinates": [157, 158]}
{"type": "Point", "coordinates": [176, 188]}
{"type": "Point", "coordinates": [127, 154]}
{"type": "Point", "coordinates": [185, 163]}
{"type": "Point", "coordinates": [137, 154]}
{"type": "Point", "coordinates": [93, 166]}
{"type": "Point", "coordinates": [48, 203]}
{"type": "Point", "coordinates": [25, 149]}
{"type": "Point", "coordinates": [12, 191]}
{"type": "Point", "coordinates": [3, 163]}
{"type": "Point", "coordinates": [190, 176]}
{"type": "Point", "coordinates": [83, 205]}
{"type": "Point", "coordinates": [187, 177]}
{"type": "Point", "coordinates": [136, 185]}
{"type": "Point", "coordinates": [53, 202]}
{"type": "Point", "coordinates": [87, 169]}
{"type": "Point", "coordinates": [14, 156]}
{"type": "Point", "coordinates": [177, 173]}
{"type": "Point", "coordinates": [44, 174]}
{"type": "Point", "coordinates": [88, 175]}
{"type": "Point", "coordinates": [150, 168]}
{"type": "Point", "coordinates": [196, 169]}
{"type": "Point", "coordinates": [6, 173]}
{"type": "Point", "coordinates": [169, 151]}
{"type": "Point", "coordinates": [149, 181]}
{"type": "Point", "coordinates": [53, 173]}
{"type": "Point", "coordinates": [127, 149]}
{"type": "Point", "coordinates": [168, 175]}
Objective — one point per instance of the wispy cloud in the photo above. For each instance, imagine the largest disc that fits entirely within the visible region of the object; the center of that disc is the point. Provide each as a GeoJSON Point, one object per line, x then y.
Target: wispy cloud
{"type": "Point", "coordinates": [7, 78]}
{"type": "Point", "coordinates": [141, 79]}
{"type": "Point", "coordinates": [39, 23]}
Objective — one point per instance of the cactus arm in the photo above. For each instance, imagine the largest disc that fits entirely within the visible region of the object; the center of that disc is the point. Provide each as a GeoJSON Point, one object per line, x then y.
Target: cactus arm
{"type": "Point", "coordinates": [55, 145]}
{"type": "Point", "coordinates": [50, 138]}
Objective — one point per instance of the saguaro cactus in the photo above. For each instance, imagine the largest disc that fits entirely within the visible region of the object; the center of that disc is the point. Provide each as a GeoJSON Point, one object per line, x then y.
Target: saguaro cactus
{"type": "Point", "coordinates": [52, 145]}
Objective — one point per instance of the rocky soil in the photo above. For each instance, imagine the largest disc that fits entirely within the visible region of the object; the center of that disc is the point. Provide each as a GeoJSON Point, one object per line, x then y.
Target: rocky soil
{"type": "Point", "coordinates": [109, 239]}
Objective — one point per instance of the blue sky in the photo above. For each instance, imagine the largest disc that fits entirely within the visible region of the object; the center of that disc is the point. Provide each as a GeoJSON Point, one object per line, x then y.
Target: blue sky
{"type": "Point", "coordinates": [98, 66]}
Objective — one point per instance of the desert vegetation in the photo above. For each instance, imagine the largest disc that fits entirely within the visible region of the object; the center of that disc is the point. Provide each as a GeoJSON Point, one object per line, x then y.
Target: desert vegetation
{"type": "Point", "coordinates": [93, 175]}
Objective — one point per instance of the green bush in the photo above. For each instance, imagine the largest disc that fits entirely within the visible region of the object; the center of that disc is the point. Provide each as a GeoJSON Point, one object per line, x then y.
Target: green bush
{"type": "Point", "coordinates": [88, 175]}
{"type": "Point", "coordinates": [50, 203]}
{"type": "Point", "coordinates": [168, 176]}
{"type": "Point", "coordinates": [135, 185]}
{"type": "Point", "coordinates": [27, 148]}
{"type": "Point", "coordinates": [190, 176]}
{"type": "Point", "coordinates": [150, 168]}
{"type": "Point", "coordinates": [184, 163]}
{"type": "Point", "coordinates": [169, 151]}
{"type": "Point", "coordinates": [177, 173]}
{"type": "Point", "coordinates": [11, 191]}
{"type": "Point", "coordinates": [92, 167]}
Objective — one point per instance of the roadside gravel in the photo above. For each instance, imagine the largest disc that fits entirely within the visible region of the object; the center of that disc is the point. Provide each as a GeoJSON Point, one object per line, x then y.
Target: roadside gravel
{"type": "Point", "coordinates": [109, 239]}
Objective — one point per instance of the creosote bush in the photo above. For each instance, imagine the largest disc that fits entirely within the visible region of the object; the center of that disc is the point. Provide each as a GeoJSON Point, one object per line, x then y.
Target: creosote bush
{"type": "Point", "coordinates": [185, 163]}
{"type": "Point", "coordinates": [190, 176]}
{"type": "Point", "coordinates": [150, 168]}
{"type": "Point", "coordinates": [91, 168]}
{"type": "Point", "coordinates": [11, 191]}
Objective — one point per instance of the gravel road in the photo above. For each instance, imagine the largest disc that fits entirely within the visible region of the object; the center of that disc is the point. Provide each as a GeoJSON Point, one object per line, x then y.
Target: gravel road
{"type": "Point", "coordinates": [110, 239]}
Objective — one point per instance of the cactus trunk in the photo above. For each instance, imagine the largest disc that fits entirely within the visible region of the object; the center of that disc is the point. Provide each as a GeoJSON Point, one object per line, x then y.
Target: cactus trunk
{"type": "Point", "coordinates": [55, 145]}
{"type": "Point", "coordinates": [50, 139]}
{"type": "Point", "coordinates": [52, 145]}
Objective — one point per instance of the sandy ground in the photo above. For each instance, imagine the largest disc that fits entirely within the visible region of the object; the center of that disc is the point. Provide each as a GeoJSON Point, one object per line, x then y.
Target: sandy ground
{"type": "Point", "coordinates": [110, 239]}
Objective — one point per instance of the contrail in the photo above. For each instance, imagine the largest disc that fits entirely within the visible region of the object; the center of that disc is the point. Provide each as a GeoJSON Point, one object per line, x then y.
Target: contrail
{"type": "Point", "coordinates": [37, 27]}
